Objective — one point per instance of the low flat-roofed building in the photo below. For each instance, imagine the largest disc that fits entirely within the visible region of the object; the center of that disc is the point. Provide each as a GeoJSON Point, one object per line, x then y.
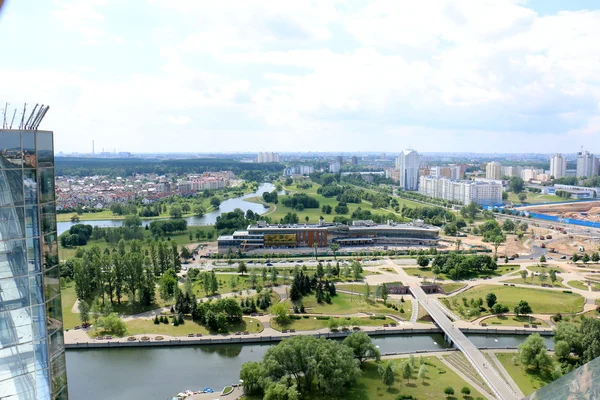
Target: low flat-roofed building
{"type": "Point", "coordinates": [360, 233]}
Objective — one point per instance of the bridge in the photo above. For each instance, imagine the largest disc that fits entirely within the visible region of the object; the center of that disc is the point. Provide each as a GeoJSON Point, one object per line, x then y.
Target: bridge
{"type": "Point", "coordinates": [491, 377]}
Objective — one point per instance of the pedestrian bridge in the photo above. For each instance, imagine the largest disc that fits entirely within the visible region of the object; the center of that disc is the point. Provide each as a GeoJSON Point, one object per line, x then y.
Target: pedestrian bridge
{"type": "Point", "coordinates": [489, 374]}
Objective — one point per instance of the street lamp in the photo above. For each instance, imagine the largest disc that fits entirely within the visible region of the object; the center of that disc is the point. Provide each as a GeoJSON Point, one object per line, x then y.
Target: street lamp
{"type": "Point", "coordinates": [315, 324]}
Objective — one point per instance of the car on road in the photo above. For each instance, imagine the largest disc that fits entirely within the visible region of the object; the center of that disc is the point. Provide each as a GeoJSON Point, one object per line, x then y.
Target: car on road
{"type": "Point", "coordinates": [563, 258]}
{"type": "Point", "coordinates": [269, 265]}
{"type": "Point", "coordinates": [299, 261]}
{"type": "Point", "coordinates": [282, 262]}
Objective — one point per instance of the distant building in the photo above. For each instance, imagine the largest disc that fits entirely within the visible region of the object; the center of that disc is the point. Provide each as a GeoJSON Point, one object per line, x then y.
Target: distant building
{"type": "Point", "coordinates": [528, 174]}
{"type": "Point", "coordinates": [461, 191]}
{"type": "Point", "coordinates": [493, 170]}
{"type": "Point", "coordinates": [267, 157]}
{"type": "Point", "coordinates": [340, 159]}
{"type": "Point", "coordinates": [587, 164]}
{"type": "Point", "coordinates": [579, 191]}
{"type": "Point", "coordinates": [354, 160]}
{"type": "Point", "coordinates": [511, 171]}
{"type": "Point", "coordinates": [440, 172]}
{"type": "Point", "coordinates": [163, 187]}
{"type": "Point", "coordinates": [334, 167]}
{"type": "Point", "coordinates": [408, 164]}
{"type": "Point", "coordinates": [558, 166]}
{"type": "Point", "coordinates": [299, 170]}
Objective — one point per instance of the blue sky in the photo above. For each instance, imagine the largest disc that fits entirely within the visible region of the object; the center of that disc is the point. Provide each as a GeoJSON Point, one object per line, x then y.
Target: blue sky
{"type": "Point", "coordinates": [322, 75]}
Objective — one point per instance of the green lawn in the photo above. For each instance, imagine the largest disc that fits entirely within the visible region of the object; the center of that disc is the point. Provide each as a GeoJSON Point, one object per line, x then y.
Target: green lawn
{"type": "Point", "coordinates": [349, 304]}
{"type": "Point", "coordinates": [145, 326]}
{"type": "Point", "coordinates": [452, 287]}
{"type": "Point", "coordinates": [310, 323]}
{"type": "Point", "coordinates": [68, 298]}
{"type": "Point", "coordinates": [583, 285]}
{"type": "Point", "coordinates": [512, 321]}
{"type": "Point", "coordinates": [180, 239]}
{"type": "Point", "coordinates": [541, 301]}
{"type": "Point", "coordinates": [438, 377]}
{"type": "Point", "coordinates": [313, 214]}
{"type": "Point", "coordinates": [388, 269]}
{"type": "Point", "coordinates": [536, 281]}
{"type": "Point", "coordinates": [528, 380]}
{"type": "Point", "coordinates": [428, 273]}
{"type": "Point", "coordinates": [536, 198]}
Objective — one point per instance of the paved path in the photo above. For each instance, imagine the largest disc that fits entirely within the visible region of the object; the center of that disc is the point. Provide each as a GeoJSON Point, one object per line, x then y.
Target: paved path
{"type": "Point", "coordinates": [506, 375]}
{"type": "Point", "coordinates": [466, 378]}
{"type": "Point", "coordinates": [475, 357]}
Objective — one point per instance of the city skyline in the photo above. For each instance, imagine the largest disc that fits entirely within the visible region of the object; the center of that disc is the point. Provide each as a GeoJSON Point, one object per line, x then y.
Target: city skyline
{"type": "Point", "coordinates": [516, 76]}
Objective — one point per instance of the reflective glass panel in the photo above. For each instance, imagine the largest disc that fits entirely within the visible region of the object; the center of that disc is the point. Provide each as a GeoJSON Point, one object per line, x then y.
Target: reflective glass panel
{"type": "Point", "coordinates": [10, 150]}
{"type": "Point", "coordinates": [12, 223]}
{"type": "Point", "coordinates": [43, 384]}
{"type": "Point", "coordinates": [38, 318]}
{"type": "Point", "coordinates": [33, 255]}
{"type": "Point", "coordinates": [58, 371]}
{"type": "Point", "coordinates": [49, 251]}
{"type": "Point", "coordinates": [46, 184]}
{"type": "Point", "coordinates": [48, 215]}
{"type": "Point", "coordinates": [54, 321]}
{"type": "Point", "coordinates": [12, 258]}
{"type": "Point", "coordinates": [36, 293]}
{"type": "Point", "coordinates": [15, 293]}
{"type": "Point", "coordinates": [30, 186]}
{"type": "Point", "coordinates": [45, 149]}
{"type": "Point", "coordinates": [11, 188]}
{"type": "Point", "coordinates": [28, 143]}
{"type": "Point", "coordinates": [31, 221]}
{"type": "Point", "coordinates": [15, 327]}
{"type": "Point", "coordinates": [52, 282]}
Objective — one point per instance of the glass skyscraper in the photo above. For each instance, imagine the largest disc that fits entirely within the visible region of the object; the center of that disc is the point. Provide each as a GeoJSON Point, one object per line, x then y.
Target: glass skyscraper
{"type": "Point", "coordinates": [32, 355]}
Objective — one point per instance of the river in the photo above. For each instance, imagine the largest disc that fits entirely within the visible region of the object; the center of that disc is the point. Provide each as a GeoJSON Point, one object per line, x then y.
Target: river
{"type": "Point", "coordinates": [161, 372]}
{"type": "Point", "coordinates": [208, 218]}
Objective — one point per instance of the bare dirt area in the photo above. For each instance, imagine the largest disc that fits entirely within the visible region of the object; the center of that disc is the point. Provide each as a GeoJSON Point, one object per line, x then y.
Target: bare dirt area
{"type": "Point", "coordinates": [511, 247]}
{"type": "Point", "coordinates": [584, 211]}
{"type": "Point", "coordinates": [568, 246]}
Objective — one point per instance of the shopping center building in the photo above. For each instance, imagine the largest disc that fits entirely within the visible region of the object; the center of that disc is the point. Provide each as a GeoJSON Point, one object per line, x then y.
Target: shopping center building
{"type": "Point", "coordinates": [360, 233]}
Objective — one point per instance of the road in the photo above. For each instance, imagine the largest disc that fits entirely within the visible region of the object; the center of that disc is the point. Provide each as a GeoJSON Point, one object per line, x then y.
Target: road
{"type": "Point", "coordinates": [475, 357]}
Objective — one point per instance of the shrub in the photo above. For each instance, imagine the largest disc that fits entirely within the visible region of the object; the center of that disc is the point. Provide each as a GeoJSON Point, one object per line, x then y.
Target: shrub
{"type": "Point", "coordinates": [567, 291]}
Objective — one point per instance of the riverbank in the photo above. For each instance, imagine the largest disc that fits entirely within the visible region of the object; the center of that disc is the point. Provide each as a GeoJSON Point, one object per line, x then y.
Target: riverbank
{"type": "Point", "coordinates": [80, 340]}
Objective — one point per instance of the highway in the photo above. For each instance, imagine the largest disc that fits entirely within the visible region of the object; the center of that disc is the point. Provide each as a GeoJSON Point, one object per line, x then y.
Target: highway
{"type": "Point", "coordinates": [475, 357]}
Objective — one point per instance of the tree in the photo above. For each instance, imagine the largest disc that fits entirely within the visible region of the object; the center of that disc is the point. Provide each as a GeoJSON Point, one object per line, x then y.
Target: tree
{"type": "Point", "coordinates": [387, 374]}
{"type": "Point", "coordinates": [490, 299]}
{"type": "Point", "coordinates": [450, 230]}
{"type": "Point", "coordinates": [384, 292]}
{"type": "Point", "coordinates": [362, 346]}
{"type": "Point", "coordinates": [281, 312]}
{"type": "Point", "coordinates": [84, 312]}
{"type": "Point", "coordinates": [449, 391]}
{"type": "Point", "coordinates": [542, 258]}
{"type": "Point", "coordinates": [522, 197]}
{"type": "Point", "coordinates": [508, 226]}
{"type": "Point", "coordinates": [585, 258]}
{"type": "Point", "coordinates": [334, 248]}
{"type": "Point", "coordinates": [367, 292]}
{"type": "Point", "coordinates": [423, 261]}
{"type": "Point", "coordinates": [185, 252]}
{"type": "Point", "coordinates": [516, 184]}
{"type": "Point", "coordinates": [552, 275]}
{"type": "Point", "coordinates": [113, 324]}
{"type": "Point", "coordinates": [242, 268]}
{"type": "Point", "coordinates": [215, 202]}
{"type": "Point", "coordinates": [595, 257]}
{"type": "Point", "coordinates": [524, 274]}
{"type": "Point", "coordinates": [465, 390]}
{"type": "Point", "coordinates": [543, 276]}
{"type": "Point", "coordinates": [199, 211]}
{"type": "Point", "coordinates": [253, 375]}
{"type": "Point", "coordinates": [562, 349]}
{"type": "Point", "coordinates": [280, 391]}
{"type": "Point", "coordinates": [422, 372]}
{"type": "Point", "coordinates": [522, 308]}
{"type": "Point", "coordinates": [575, 257]}
{"type": "Point", "coordinates": [168, 284]}
{"type": "Point", "coordinates": [533, 353]}
{"type": "Point", "coordinates": [407, 371]}
{"type": "Point", "coordinates": [175, 211]}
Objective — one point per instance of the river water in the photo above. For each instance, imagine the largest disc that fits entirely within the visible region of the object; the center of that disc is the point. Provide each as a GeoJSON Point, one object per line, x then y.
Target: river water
{"type": "Point", "coordinates": [161, 372]}
{"type": "Point", "coordinates": [208, 218]}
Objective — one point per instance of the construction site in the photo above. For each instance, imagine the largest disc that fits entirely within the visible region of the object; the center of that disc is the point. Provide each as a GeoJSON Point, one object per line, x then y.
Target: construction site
{"type": "Point", "coordinates": [583, 211]}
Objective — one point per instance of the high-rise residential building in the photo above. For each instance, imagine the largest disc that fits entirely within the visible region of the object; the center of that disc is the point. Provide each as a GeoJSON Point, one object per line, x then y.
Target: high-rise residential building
{"type": "Point", "coordinates": [340, 159]}
{"type": "Point", "coordinates": [587, 164]}
{"type": "Point", "coordinates": [354, 160]}
{"type": "Point", "coordinates": [408, 164]}
{"type": "Point", "coordinates": [267, 157]}
{"type": "Point", "coordinates": [32, 354]}
{"type": "Point", "coordinates": [440, 172]}
{"type": "Point", "coordinates": [334, 167]}
{"type": "Point", "coordinates": [460, 191]}
{"type": "Point", "coordinates": [493, 170]}
{"type": "Point", "coordinates": [528, 174]}
{"type": "Point", "coordinates": [512, 170]}
{"type": "Point", "coordinates": [558, 166]}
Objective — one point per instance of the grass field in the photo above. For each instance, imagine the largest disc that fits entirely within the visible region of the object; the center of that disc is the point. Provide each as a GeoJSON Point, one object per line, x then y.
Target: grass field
{"type": "Point", "coordinates": [145, 326]}
{"type": "Point", "coordinates": [512, 321]}
{"type": "Point", "coordinates": [452, 287]}
{"type": "Point", "coordinates": [438, 377]}
{"type": "Point", "coordinates": [428, 273]}
{"type": "Point", "coordinates": [310, 323]}
{"type": "Point", "coordinates": [313, 214]}
{"type": "Point", "coordinates": [583, 285]}
{"type": "Point", "coordinates": [536, 198]}
{"type": "Point", "coordinates": [349, 304]}
{"type": "Point", "coordinates": [536, 281]}
{"type": "Point", "coordinates": [540, 301]}
{"type": "Point", "coordinates": [180, 239]}
{"type": "Point", "coordinates": [528, 380]}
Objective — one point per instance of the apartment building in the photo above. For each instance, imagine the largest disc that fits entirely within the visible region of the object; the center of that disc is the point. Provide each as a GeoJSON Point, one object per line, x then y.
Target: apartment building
{"type": "Point", "coordinates": [461, 191]}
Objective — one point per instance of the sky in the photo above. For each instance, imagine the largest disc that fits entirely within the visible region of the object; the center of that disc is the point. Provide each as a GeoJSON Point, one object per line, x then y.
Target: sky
{"type": "Point", "coordinates": [324, 75]}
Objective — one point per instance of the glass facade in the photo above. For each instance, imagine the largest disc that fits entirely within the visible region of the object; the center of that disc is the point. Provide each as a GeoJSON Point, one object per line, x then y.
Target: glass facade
{"type": "Point", "coordinates": [32, 355]}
